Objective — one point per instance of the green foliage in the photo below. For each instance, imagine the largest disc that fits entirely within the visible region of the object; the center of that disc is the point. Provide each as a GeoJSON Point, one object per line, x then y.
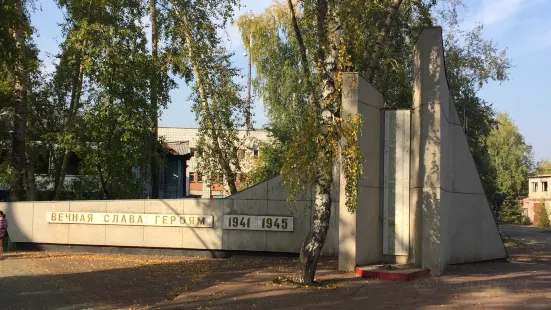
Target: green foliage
{"type": "Point", "coordinates": [18, 67]}
{"type": "Point", "coordinates": [543, 217]}
{"type": "Point", "coordinates": [471, 61]}
{"type": "Point", "coordinates": [526, 221]}
{"type": "Point", "coordinates": [510, 211]}
{"type": "Point", "coordinates": [543, 167]}
{"type": "Point", "coordinates": [308, 150]}
{"type": "Point", "coordinates": [278, 80]}
{"type": "Point", "coordinates": [511, 158]}
{"type": "Point", "coordinates": [104, 92]}
{"type": "Point", "coordinates": [98, 102]}
{"type": "Point", "coordinates": [267, 165]}
{"type": "Point", "coordinates": [200, 57]}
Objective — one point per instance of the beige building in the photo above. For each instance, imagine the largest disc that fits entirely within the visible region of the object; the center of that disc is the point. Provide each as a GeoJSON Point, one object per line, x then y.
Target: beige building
{"type": "Point", "coordinates": [539, 195]}
{"type": "Point", "coordinates": [175, 138]}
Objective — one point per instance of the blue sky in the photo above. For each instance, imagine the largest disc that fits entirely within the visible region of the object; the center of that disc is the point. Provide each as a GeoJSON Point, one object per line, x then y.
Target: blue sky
{"type": "Point", "coordinates": [521, 26]}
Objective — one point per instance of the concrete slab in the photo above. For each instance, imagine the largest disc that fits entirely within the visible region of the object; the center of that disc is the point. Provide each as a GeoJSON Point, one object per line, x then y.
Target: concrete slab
{"type": "Point", "coordinates": [125, 206]}
{"type": "Point", "coordinates": [278, 191]}
{"type": "Point", "coordinates": [49, 233]}
{"type": "Point", "coordinates": [83, 233]}
{"type": "Point", "coordinates": [164, 237]}
{"type": "Point", "coordinates": [257, 191]}
{"type": "Point", "coordinates": [245, 240]}
{"type": "Point", "coordinates": [125, 235]}
{"type": "Point", "coordinates": [20, 220]}
{"type": "Point", "coordinates": [288, 241]}
{"type": "Point", "coordinates": [204, 238]}
{"type": "Point", "coordinates": [331, 246]}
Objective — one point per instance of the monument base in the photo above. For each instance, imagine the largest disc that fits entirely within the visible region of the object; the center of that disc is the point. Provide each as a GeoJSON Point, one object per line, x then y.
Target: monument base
{"type": "Point", "coordinates": [391, 272]}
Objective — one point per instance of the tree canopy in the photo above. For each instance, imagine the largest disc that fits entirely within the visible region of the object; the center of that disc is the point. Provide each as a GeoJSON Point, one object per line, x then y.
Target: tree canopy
{"type": "Point", "coordinates": [512, 160]}
{"type": "Point", "coordinates": [543, 167]}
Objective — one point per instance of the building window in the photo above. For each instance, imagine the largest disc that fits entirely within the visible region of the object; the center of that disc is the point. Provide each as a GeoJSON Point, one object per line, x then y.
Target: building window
{"type": "Point", "coordinates": [534, 186]}
{"type": "Point", "coordinates": [199, 177]}
{"type": "Point", "coordinates": [525, 212]}
{"type": "Point", "coordinates": [73, 165]}
{"type": "Point", "coordinates": [544, 186]}
{"type": "Point", "coordinates": [42, 165]}
{"type": "Point", "coordinates": [192, 177]}
{"type": "Point", "coordinates": [255, 153]}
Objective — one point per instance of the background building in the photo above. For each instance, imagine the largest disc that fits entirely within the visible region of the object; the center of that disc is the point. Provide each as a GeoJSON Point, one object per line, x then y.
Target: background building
{"type": "Point", "coordinates": [539, 196]}
{"type": "Point", "coordinates": [184, 142]}
{"type": "Point", "coordinates": [178, 178]}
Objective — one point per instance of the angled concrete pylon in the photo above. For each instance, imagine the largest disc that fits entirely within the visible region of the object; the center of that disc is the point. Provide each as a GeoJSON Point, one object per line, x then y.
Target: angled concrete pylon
{"type": "Point", "coordinates": [360, 233]}
{"type": "Point", "coordinates": [451, 221]}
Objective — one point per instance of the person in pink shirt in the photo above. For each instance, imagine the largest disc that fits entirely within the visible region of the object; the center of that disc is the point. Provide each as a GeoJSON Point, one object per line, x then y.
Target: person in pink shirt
{"type": "Point", "coordinates": [3, 232]}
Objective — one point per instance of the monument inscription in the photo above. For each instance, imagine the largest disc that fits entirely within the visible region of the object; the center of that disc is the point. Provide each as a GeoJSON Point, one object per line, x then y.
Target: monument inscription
{"type": "Point", "coordinates": [131, 219]}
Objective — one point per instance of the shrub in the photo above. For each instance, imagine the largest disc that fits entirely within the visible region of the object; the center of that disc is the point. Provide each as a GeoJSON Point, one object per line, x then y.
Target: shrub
{"type": "Point", "coordinates": [526, 221]}
{"type": "Point", "coordinates": [543, 217]}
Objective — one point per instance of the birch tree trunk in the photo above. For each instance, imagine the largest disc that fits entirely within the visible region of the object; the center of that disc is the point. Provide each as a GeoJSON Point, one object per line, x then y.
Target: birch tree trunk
{"type": "Point", "coordinates": [18, 155]}
{"type": "Point", "coordinates": [313, 244]}
{"type": "Point", "coordinates": [303, 57]}
{"type": "Point", "coordinates": [228, 172]}
{"type": "Point", "coordinates": [154, 106]}
{"type": "Point", "coordinates": [74, 104]}
{"type": "Point", "coordinates": [378, 50]}
{"type": "Point", "coordinates": [73, 108]}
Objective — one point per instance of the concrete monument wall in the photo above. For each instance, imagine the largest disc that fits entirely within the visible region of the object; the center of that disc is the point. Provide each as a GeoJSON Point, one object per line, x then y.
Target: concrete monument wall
{"type": "Point", "coordinates": [451, 220]}
{"type": "Point", "coordinates": [360, 233]}
{"type": "Point", "coordinates": [28, 222]}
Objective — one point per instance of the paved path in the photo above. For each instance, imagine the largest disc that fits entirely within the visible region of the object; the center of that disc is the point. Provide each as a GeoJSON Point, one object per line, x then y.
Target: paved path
{"type": "Point", "coordinates": [527, 233]}
{"type": "Point", "coordinates": [528, 243]}
{"type": "Point", "coordinates": [47, 280]}
{"type": "Point", "coordinates": [523, 283]}
{"type": "Point", "coordinates": [476, 286]}
{"type": "Point", "coordinates": [26, 283]}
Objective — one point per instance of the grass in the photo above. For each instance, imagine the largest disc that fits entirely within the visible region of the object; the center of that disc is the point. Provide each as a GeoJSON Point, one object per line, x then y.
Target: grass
{"type": "Point", "coordinates": [320, 285]}
{"type": "Point", "coordinates": [510, 242]}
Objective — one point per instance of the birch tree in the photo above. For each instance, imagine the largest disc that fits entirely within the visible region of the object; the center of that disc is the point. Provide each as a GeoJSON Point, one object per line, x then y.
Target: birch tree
{"type": "Point", "coordinates": [300, 50]}
{"type": "Point", "coordinates": [199, 56]}
{"type": "Point", "coordinates": [314, 35]}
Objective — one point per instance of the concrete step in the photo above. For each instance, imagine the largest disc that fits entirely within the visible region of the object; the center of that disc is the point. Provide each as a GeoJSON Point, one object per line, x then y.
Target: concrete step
{"type": "Point", "coordinates": [391, 272]}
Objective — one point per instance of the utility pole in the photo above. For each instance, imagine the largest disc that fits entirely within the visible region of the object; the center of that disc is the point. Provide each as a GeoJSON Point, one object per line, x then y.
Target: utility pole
{"type": "Point", "coordinates": [249, 99]}
{"type": "Point", "coordinates": [154, 164]}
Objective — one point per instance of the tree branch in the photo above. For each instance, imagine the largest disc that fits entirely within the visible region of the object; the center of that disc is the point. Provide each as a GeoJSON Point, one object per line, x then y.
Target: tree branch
{"type": "Point", "coordinates": [305, 67]}
{"type": "Point", "coordinates": [378, 50]}
{"type": "Point", "coordinates": [203, 96]}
